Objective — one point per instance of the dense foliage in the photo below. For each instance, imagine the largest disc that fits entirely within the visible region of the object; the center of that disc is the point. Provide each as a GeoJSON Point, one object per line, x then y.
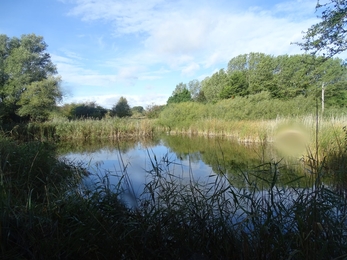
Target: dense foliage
{"type": "Point", "coordinates": [83, 110]}
{"type": "Point", "coordinates": [283, 78]}
{"type": "Point", "coordinates": [137, 111]}
{"type": "Point", "coordinates": [251, 107]}
{"type": "Point", "coordinates": [29, 88]}
{"type": "Point", "coordinates": [153, 110]}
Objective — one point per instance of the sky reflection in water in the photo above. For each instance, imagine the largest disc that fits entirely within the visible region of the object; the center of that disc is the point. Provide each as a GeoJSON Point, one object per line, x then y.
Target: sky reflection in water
{"type": "Point", "coordinates": [136, 162]}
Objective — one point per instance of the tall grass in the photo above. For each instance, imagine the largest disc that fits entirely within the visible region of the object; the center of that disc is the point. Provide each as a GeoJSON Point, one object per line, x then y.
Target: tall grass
{"type": "Point", "coordinates": [84, 129]}
{"type": "Point", "coordinates": [300, 129]}
{"type": "Point", "coordinates": [47, 212]}
{"type": "Point", "coordinates": [32, 188]}
{"type": "Point", "coordinates": [107, 128]}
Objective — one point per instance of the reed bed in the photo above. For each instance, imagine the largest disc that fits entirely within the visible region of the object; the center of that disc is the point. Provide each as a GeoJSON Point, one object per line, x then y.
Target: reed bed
{"type": "Point", "coordinates": [107, 128]}
{"type": "Point", "coordinates": [330, 130]}
{"type": "Point", "coordinates": [89, 129]}
{"type": "Point", "coordinates": [303, 130]}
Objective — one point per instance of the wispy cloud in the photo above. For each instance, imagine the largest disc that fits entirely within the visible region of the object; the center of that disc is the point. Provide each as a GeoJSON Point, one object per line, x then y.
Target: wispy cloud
{"type": "Point", "coordinates": [103, 88]}
{"type": "Point", "coordinates": [190, 69]}
{"type": "Point", "coordinates": [74, 72]}
{"type": "Point", "coordinates": [206, 33]}
{"type": "Point", "coordinates": [125, 71]}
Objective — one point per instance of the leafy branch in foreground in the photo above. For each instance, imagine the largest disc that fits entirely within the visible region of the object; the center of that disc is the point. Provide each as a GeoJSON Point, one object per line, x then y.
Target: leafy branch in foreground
{"type": "Point", "coordinates": [329, 36]}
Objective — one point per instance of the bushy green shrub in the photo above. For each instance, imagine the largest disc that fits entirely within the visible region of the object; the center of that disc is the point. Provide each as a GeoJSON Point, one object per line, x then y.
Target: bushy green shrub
{"type": "Point", "coordinates": [153, 111]}
{"type": "Point", "coordinates": [252, 107]}
{"type": "Point", "coordinates": [182, 115]}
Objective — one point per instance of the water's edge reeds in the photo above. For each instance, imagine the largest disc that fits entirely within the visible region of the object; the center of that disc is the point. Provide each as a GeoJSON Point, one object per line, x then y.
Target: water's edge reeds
{"type": "Point", "coordinates": [282, 130]}
{"type": "Point", "coordinates": [47, 214]}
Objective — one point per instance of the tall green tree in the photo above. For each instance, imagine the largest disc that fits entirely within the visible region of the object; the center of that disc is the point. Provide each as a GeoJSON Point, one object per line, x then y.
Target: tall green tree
{"type": "Point", "coordinates": [180, 94]}
{"type": "Point", "coordinates": [39, 99]}
{"type": "Point", "coordinates": [201, 97]}
{"type": "Point", "coordinates": [329, 36]}
{"type": "Point", "coordinates": [25, 66]}
{"type": "Point", "coordinates": [262, 74]}
{"type": "Point", "coordinates": [238, 85]}
{"type": "Point", "coordinates": [121, 109]}
{"type": "Point", "coordinates": [258, 69]}
{"type": "Point", "coordinates": [291, 76]}
{"type": "Point", "coordinates": [238, 63]}
{"type": "Point", "coordinates": [282, 77]}
{"type": "Point", "coordinates": [212, 86]}
{"type": "Point", "coordinates": [194, 89]}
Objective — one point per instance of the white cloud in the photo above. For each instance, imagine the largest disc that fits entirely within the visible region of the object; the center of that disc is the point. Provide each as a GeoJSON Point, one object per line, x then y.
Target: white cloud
{"type": "Point", "coordinates": [249, 32]}
{"type": "Point", "coordinates": [83, 77]}
{"type": "Point", "coordinates": [129, 16]}
{"type": "Point", "coordinates": [207, 35]}
{"type": "Point", "coordinates": [154, 74]}
{"type": "Point", "coordinates": [129, 72]}
{"type": "Point", "coordinates": [61, 59]}
{"type": "Point", "coordinates": [180, 33]}
{"type": "Point", "coordinates": [190, 69]}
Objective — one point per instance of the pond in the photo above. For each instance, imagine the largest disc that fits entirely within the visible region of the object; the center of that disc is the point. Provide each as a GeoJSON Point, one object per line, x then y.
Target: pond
{"type": "Point", "coordinates": [231, 192]}
{"type": "Point", "coordinates": [198, 158]}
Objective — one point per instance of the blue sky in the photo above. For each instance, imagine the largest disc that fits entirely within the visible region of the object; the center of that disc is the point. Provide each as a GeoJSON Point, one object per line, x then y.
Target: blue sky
{"type": "Point", "coordinates": [105, 49]}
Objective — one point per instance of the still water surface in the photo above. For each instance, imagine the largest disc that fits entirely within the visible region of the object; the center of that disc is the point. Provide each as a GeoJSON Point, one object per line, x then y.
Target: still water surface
{"type": "Point", "coordinates": [200, 158]}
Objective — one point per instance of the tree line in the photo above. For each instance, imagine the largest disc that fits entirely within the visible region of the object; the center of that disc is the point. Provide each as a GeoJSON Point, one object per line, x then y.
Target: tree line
{"type": "Point", "coordinates": [284, 77]}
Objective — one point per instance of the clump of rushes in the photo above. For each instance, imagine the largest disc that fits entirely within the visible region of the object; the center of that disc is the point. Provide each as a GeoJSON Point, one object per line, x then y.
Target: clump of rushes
{"type": "Point", "coordinates": [47, 213]}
